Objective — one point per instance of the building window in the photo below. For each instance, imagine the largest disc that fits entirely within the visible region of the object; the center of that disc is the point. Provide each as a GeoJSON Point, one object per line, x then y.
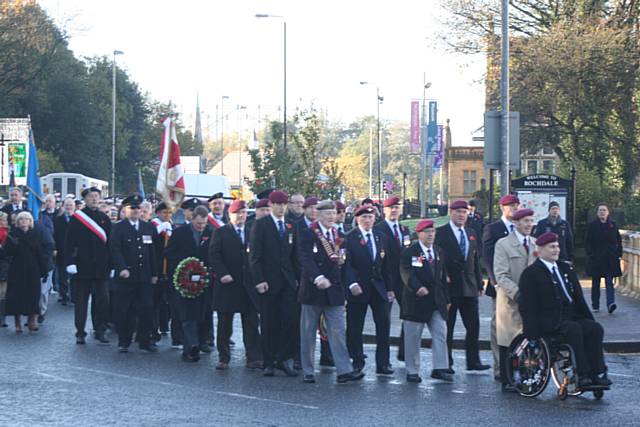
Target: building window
{"type": "Point", "coordinates": [532, 166]}
{"type": "Point", "coordinates": [470, 183]}
{"type": "Point", "coordinates": [547, 166]}
{"type": "Point", "coordinates": [547, 150]}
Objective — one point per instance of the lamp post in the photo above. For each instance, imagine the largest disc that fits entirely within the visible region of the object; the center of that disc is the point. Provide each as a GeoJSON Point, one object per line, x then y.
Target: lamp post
{"type": "Point", "coordinates": [222, 134]}
{"type": "Point", "coordinates": [284, 107]}
{"type": "Point", "coordinates": [379, 100]}
{"type": "Point", "coordinates": [238, 109]}
{"type": "Point", "coordinates": [423, 151]}
{"type": "Point", "coordinates": [113, 124]}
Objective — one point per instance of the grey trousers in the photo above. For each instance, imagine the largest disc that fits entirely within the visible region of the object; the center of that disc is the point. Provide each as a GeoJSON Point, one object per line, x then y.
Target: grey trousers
{"type": "Point", "coordinates": [413, 334]}
{"type": "Point", "coordinates": [336, 332]}
{"type": "Point", "coordinates": [495, 350]}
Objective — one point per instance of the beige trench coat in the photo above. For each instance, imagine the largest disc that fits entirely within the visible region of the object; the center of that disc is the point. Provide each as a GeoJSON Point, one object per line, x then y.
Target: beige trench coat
{"type": "Point", "coordinates": [509, 262]}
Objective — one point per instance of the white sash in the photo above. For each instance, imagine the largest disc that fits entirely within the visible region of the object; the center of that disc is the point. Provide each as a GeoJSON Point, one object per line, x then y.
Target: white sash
{"type": "Point", "coordinates": [91, 225]}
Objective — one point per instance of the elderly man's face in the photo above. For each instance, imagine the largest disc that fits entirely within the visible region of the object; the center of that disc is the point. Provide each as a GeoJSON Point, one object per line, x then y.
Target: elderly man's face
{"type": "Point", "coordinates": [262, 212]}
{"type": "Point", "coordinates": [459, 216]}
{"type": "Point", "coordinates": [295, 204]}
{"type": "Point", "coordinates": [525, 225]}
{"type": "Point", "coordinates": [217, 206]}
{"type": "Point", "coordinates": [15, 196]}
{"type": "Point", "coordinates": [311, 212]}
{"type": "Point", "coordinates": [366, 221]}
{"type": "Point", "coordinates": [327, 217]}
{"type": "Point", "coordinates": [550, 252]}
{"type": "Point", "coordinates": [145, 213]}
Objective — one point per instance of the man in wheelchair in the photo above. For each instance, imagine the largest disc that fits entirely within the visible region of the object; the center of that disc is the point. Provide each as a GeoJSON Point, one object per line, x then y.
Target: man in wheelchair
{"type": "Point", "coordinates": [552, 305]}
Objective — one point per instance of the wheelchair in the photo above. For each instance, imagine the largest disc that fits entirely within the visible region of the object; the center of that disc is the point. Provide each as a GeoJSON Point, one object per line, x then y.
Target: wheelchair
{"type": "Point", "coordinates": [531, 363]}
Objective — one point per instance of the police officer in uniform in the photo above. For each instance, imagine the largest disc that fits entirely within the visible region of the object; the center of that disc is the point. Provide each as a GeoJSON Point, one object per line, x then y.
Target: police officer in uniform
{"type": "Point", "coordinates": [136, 270]}
{"type": "Point", "coordinates": [554, 223]}
{"type": "Point", "coordinates": [86, 253]}
{"type": "Point", "coordinates": [187, 208]}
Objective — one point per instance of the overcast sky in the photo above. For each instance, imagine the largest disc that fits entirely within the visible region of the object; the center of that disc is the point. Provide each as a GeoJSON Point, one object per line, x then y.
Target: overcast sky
{"type": "Point", "coordinates": [176, 49]}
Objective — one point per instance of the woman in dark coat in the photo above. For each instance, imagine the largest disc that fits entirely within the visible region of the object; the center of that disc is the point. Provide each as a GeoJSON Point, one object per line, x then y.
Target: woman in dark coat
{"type": "Point", "coordinates": [28, 267]}
{"type": "Point", "coordinates": [604, 250]}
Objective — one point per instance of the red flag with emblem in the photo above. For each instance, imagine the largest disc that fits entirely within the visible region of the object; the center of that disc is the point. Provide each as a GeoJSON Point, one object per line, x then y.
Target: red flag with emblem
{"type": "Point", "coordinates": [170, 184]}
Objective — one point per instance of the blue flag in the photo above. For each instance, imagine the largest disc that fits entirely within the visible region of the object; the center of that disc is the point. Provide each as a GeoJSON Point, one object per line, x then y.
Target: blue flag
{"type": "Point", "coordinates": [140, 184]}
{"type": "Point", "coordinates": [33, 180]}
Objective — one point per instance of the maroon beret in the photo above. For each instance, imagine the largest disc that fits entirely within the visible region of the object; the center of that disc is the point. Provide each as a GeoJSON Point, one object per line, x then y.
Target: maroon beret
{"type": "Point", "coordinates": [310, 201]}
{"type": "Point", "coordinates": [340, 206]}
{"type": "Point", "coordinates": [391, 201]}
{"type": "Point", "coordinates": [546, 238]}
{"type": "Point", "coordinates": [362, 210]}
{"type": "Point", "coordinates": [262, 203]}
{"type": "Point", "coordinates": [236, 205]}
{"type": "Point", "coordinates": [459, 204]}
{"type": "Point", "coordinates": [278, 197]}
{"type": "Point", "coordinates": [509, 199]}
{"type": "Point", "coordinates": [521, 213]}
{"type": "Point", "coordinates": [425, 223]}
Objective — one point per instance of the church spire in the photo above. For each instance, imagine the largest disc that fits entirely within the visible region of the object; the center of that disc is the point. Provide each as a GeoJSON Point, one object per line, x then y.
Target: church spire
{"type": "Point", "coordinates": [197, 133]}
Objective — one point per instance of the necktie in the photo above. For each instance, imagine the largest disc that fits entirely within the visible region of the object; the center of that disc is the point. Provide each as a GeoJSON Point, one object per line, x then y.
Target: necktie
{"type": "Point", "coordinates": [564, 290]}
{"type": "Point", "coordinates": [329, 236]}
{"type": "Point", "coordinates": [463, 244]}
{"type": "Point", "coordinates": [395, 232]}
{"type": "Point", "coordinates": [526, 244]}
{"type": "Point", "coordinates": [429, 256]}
{"type": "Point", "coordinates": [511, 228]}
{"type": "Point", "coordinates": [281, 228]}
{"type": "Point", "coordinates": [370, 247]}
{"type": "Point", "coordinates": [239, 230]}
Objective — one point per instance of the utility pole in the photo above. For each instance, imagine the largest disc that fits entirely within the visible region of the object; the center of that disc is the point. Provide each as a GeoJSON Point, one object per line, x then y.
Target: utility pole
{"type": "Point", "coordinates": [504, 96]}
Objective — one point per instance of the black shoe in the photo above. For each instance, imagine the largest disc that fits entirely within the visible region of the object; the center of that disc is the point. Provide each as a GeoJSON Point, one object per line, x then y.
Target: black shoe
{"type": "Point", "coordinates": [232, 342]}
{"type": "Point", "coordinates": [268, 372]}
{"type": "Point", "coordinates": [80, 339]}
{"type": "Point", "coordinates": [156, 337]}
{"type": "Point", "coordinates": [400, 357]}
{"type": "Point", "coordinates": [205, 348]}
{"type": "Point", "coordinates": [297, 365]}
{"type": "Point", "coordinates": [441, 374]}
{"type": "Point", "coordinates": [509, 388]}
{"type": "Point", "coordinates": [612, 308]}
{"type": "Point", "coordinates": [601, 380]}
{"type": "Point", "coordinates": [64, 302]}
{"type": "Point", "coordinates": [189, 358]}
{"type": "Point", "coordinates": [3, 325]}
{"type": "Point", "coordinates": [414, 378]}
{"type": "Point", "coordinates": [385, 370]}
{"type": "Point", "coordinates": [351, 376]}
{"type": "Point", "coordinates": [595, 309]}
{"type": "Point", "coordinates": [325, 361]}
{"type": "Point", "coordinates": [149, 348]}
{"type": "Point", "coordinates": [450, 371]}
{"type": "Point", "coordinates": [358, 366]}
{"type": "Point", "coordinates": [497, 378]}
{"type": "Point", "coordinates": [309, 379]}
{"type": "Point", "coordinates": [101, 338]}
{"type": "Point", "coordinates": [584, 382]}
{"type": "Point", "coordinates": [287, 368]}
{"type": "Point", "coordinates": [478, 367]}
{"type": "Point", "coordinates": [123, 349]}
{"type": "Point", "coordinates": [41, 318]}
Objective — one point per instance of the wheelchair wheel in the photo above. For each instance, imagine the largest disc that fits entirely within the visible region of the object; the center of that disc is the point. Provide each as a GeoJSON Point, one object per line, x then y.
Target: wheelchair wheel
{"type": "Point", "coordinates": [563, 371]}
{"type": "Point", "coordinates": [529, 365]}
{"type": "Point", "coordinates": [598, 394]}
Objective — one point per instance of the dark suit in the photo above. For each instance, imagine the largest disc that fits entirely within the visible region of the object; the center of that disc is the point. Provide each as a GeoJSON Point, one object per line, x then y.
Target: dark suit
{"type": "Point", "coordinates": [190, 312]}
{"type": "Point", "coordinates": [374, 278]}
{"type": "Point", "coordinates": [90, 254]}
{"type": "Point", "coordinates": [603, 244]}
{"type": "Point", "coordinates": [546, 311]}
{"type": "Point", "coordinates": [228, 256]}
{"type": "Point", "coordinates": [133, 250]}
{"type": "Point", "coordinates": [161, 296]}
{"type": "Point", "coordinates": [272, 259]}
{"type": "Point", "coordinates": [60, 225]}
{"type": "Point", "coordinates": [8, 208]}
{"type": "Point", "coordinates": [476, 222]}
{"type": "Point", "coordinates": [396, 245]}
{"type": "Point", "coordinates": [464, 288]}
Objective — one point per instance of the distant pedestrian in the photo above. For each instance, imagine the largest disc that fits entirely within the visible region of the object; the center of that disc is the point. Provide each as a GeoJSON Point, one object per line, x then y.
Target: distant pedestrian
{"type": "Point", "coordinates": [4, 266]}
{"type": "Point", "coordinates": [604, 250]}
{"type": "Point", "coordinates": [554, 223]}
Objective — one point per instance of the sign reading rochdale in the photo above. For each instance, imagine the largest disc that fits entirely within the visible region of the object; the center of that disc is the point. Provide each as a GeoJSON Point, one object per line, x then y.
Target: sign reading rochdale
{"type": "Point", "coordinates": [541, 182]}
{"type": "Point", "coordinates": [537, 191]}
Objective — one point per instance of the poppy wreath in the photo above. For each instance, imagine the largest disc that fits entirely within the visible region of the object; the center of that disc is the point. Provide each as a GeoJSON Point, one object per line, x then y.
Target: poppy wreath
{"type": "Point", "coordinates": [183, 278]}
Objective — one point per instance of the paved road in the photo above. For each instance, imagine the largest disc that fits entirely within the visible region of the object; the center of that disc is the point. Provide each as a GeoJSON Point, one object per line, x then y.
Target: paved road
{"type": "Point", "coordinates": [45, 379]}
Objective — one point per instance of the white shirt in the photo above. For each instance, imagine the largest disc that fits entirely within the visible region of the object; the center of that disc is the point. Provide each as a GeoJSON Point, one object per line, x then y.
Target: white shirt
{"type": "Point", "coordinates": [339, 227]}
{"type": "Point", "coordinates": [456, 233]}
{"type": "Point", "coordinates": [324, 232]}
{"type": "Point", "coordinates": [307, 221]}
{"type": "Point", "coordinates": [426, 249]}
{"type": "Point", "coordinates": [134, 224]}
{"type": "Point", "coordinates": [558, 276]}
{"type": "Point", "coordinates": [241, 234]}
{"type": "Point", "coordinates": [391, 224]}
{"type": "Point", "coordinates": [522, 238]}
{"type": "Point", "coordinates": [508, 224]}
{"type": "Point", "coordinates": [276, 219]}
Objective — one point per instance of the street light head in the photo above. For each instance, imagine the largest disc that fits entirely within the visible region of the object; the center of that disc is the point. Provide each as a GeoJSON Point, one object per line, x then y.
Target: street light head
{"type": "Point", "coordinates": [261, 15]}
{"type": "Point", "coordinates": [118, 52]}
{"type": "Point", "coordinates": [225, 97]}
{"type": "Point", "coordinates": [380, 99]}
{"type": "Point", "coordinates": [364, 83]}
{"type": "Point", "coordinates": [428, 85]}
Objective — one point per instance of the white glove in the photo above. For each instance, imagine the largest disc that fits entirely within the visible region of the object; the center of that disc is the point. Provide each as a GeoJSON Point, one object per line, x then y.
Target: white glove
{"type": "Point", "coordinates": [112, 274]}
{"type": "Point", "coordinates": [72, 269]}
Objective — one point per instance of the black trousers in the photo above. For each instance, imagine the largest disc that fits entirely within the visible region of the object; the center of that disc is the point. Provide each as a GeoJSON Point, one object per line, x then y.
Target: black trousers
{"type": "Point", "coordinates": [63, 281]}
{"type": "Point", "coordinates": [585, 337]}
{"type": "Point", "coordinates": [468, 308]}
{"type": "Point", "coordinates": [356, 314]}
{"type": "Point", "coordinates": [504, 374]}
{"type": "Point", "coordinates": [161, 306]}
{"type": "Point", "coordinates": [98, 291]}
{"type": "Point", "coordinates": [208, 318]}
{"type": "Point", "coordinates": [250, 336]}
{"type": "Point", "coordinates": [133, 301]}
{"type": "Point", "coordinates": [278, 318]}
{"type": "Point", "coordinates": [175, 314]}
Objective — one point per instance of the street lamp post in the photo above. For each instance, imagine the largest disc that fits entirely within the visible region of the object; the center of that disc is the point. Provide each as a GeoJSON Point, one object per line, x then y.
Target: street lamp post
{"type": "Point", "coordinates": [284, 106]}
{"type": "Point", "coordinates": [379, 100]}
{"type": "Point", "coordinates": [238, 109]}
{"type": "Point", "coordinates": [222, 134]}
{"type": "Point", "coordinates": [423, 151]}
{"type": "Point", "coordinates": [113, 124]}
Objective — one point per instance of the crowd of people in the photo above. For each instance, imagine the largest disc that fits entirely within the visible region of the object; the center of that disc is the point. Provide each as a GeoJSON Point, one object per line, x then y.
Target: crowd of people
{"type": "Point", "coordinates": [295, 268]}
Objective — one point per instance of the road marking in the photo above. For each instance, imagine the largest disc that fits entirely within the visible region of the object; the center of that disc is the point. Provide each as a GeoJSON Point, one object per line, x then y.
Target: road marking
{"type": "Point", "coordinates": [44, 374]}
{"type": "Point", "coordinates": [223, 393]}
{"type": "Point", "coordinates": [622, 375]}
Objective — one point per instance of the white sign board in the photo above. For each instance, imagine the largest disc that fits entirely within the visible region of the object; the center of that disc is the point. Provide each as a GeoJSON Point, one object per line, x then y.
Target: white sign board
{"type": "Point", "coordinates": [14, 150]}
{"type": "Point", "coordinates": [539, 203]}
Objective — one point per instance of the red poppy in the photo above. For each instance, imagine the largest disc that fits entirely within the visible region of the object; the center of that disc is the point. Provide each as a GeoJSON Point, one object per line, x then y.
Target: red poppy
{"type": "Point", "coordinates": [472, 238]}
{"type": "Point", "coordinates": [362, 242]}
{"type": "Point", "coordinates": [289, 226]}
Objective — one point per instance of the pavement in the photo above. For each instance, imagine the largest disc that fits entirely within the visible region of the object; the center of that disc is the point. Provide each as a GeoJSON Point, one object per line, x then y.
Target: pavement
{"type": "Point", "coordinates": [47, 380]}
{"type": "Point", "coordinates": [621, 329]}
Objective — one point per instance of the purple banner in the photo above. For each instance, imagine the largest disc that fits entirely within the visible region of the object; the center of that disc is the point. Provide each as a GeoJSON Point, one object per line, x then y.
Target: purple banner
{"type": "Point", "coordinates": [438, 157]}
{"type": "Point", "coordinates": [415, 128]}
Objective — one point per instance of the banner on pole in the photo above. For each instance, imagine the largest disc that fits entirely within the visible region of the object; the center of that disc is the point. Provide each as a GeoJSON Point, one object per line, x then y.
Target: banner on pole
{"type": "Point", "coordinates": [439, 151]}
{"type": "Point", "coordinates": [432, 127]}
{"type": "Point", "coordinates": [414, 143]}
